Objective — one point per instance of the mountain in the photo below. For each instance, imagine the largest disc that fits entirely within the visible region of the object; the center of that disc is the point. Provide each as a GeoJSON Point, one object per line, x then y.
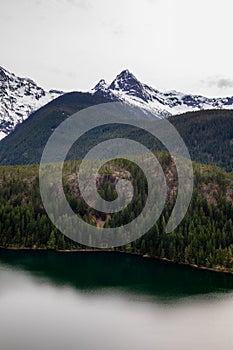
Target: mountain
{"type": "Point", "coordinates": [26, 143]}
{"type": "Point", "coordinates": [208, 134]}
{"type": "Point", "coordinates": [19, 97]}
{"type": "Point", "coordinates": [127, 88]}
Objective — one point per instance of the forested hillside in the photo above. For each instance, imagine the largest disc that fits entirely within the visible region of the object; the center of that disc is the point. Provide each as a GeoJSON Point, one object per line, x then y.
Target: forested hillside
{"type": "Point", "coordinates": [207, 134]}
{"type": "Point", "coordinates": [26, 143]}
{"type": "Point", "coordinates": [204, 237]}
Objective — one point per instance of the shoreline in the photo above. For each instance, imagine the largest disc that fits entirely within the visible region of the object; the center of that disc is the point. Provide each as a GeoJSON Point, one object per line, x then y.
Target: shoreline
{"type": "Point", "coordinates": [95, 250]}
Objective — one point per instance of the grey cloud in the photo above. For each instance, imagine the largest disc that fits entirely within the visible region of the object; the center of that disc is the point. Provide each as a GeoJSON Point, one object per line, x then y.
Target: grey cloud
{"type": "Point", "coordinates": [221, 83]}
{"type": "Point", "coordinates": [224, 83]}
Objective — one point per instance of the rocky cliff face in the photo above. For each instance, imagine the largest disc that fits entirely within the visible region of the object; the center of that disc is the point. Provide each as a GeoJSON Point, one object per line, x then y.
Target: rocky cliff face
{"type": "Point", "coordinates": [19, 97]}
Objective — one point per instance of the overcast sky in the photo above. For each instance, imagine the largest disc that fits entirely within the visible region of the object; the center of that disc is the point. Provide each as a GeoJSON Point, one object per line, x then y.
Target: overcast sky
{"type": "Point", "coordinates": [168, 44]}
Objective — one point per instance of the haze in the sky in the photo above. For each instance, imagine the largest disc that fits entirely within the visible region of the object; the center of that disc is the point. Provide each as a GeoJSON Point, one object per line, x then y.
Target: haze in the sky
{"type": "Point", "coordinates": [168, 44]}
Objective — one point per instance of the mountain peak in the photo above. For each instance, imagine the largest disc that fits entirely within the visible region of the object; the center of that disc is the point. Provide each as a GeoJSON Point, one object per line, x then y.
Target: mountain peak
{"type": "Point", "coordinates": [124, 81]}
{"type": "Point", "coordinates": [3, 73]}
{"type": "Point", "coordinates": [126, 74]}
{"type": "Point", "coordinates": [102, 85]}
{"type": "Point", "coordinates": [19, 97]}
{"type": "Point", "coordinates": [127, 88]}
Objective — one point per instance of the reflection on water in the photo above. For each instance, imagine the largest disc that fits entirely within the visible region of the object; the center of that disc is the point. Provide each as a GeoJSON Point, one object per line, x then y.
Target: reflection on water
{"type": "Point", "coordinates": [111, 301]}
{"type": "Point", "coordinates": [98, 270]}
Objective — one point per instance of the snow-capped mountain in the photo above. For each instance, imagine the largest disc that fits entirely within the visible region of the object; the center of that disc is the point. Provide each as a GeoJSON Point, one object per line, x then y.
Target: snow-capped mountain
{"type": "Point", "coordinates": [19, 97]}
{"type": "Point", "coordinates": [127, 88]}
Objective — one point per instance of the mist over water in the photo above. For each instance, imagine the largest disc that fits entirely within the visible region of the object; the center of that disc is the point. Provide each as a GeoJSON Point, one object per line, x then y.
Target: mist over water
{"type": "Point", "coordinates": [111, 301]}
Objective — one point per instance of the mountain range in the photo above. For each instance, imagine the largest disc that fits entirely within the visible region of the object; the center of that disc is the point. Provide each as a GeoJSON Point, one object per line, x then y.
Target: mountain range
{"type": "Point", "coordinates": [205, 235]}
{"type": "Point", "coordinates": [127, 88]}
{"type": "Point", "coordinates": [20, 97]}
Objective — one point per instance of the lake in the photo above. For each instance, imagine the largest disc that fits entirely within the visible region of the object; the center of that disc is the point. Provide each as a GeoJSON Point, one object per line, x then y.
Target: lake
{"type": "Point", "coordinates": [111, 301]}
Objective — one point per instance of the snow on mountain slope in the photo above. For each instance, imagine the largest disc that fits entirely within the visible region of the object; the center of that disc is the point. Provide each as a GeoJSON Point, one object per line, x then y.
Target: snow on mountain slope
{"type": "Point", "coordinates": [19, 97]}
{"type": "Point", "coordinates": [127, 88]}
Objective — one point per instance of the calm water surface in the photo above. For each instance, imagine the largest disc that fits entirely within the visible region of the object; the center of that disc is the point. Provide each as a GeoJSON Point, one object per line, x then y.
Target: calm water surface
{"type": "Point", "coordinates": [109, 301]}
